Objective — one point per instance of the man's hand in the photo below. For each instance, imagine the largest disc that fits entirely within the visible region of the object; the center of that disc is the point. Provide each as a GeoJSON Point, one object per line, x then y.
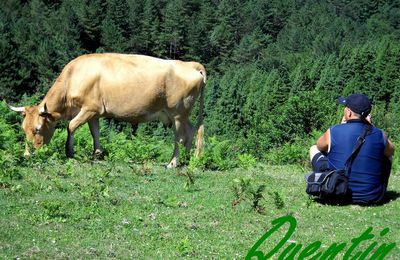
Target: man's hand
{"type": "Point", "coordinates": [369, 119]}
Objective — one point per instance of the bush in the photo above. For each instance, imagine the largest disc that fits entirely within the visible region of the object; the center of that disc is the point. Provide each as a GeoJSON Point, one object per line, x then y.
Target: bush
{"type": "Point", "coordinates": [140, 148]}
{"type": "Point", "coordinates": [217, 155]}
{"type": "Point", "coordinates": [295, 152]}
{"type": "Point", "coordinates": [246, 160]}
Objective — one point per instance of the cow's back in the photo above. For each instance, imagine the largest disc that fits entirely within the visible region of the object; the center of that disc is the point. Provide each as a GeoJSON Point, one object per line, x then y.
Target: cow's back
{"type": "Point", "coordinates": [129, 87]}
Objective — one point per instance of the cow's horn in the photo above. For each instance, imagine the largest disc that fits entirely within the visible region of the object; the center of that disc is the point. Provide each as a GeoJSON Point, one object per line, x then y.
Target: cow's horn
{"type": "Point", "coordinates": [16, 109]}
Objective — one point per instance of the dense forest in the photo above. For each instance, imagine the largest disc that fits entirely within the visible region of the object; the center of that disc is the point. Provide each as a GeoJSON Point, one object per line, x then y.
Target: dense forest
{"type": "Point", "coordinates": [275, 67]}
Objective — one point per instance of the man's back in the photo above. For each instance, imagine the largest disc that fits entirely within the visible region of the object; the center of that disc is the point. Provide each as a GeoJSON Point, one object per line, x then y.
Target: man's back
{"type": "Point", "coordinates": [366, 180]}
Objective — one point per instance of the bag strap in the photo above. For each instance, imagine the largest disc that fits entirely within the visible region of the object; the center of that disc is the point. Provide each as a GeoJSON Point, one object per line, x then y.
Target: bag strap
{"type": "Point", "coordinates": [360, 141]}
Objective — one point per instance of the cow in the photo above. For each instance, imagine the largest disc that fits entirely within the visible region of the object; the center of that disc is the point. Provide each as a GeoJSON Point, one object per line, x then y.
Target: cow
{"type": "Point", "coordinates": [127, 87]}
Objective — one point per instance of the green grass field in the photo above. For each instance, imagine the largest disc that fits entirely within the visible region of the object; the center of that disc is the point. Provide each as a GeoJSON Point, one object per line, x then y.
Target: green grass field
{"type": "Point", "coordinates": [98, 210]}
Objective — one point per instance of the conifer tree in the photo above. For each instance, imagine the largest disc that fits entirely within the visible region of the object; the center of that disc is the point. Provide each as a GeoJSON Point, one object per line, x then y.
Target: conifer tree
{"type": "Point", "coordinates": [90, 14]}
{"type": "Point", "coordinates": [115, 27]}
{"type": "Point", "coordinates": [173, 29]}
{"type": "Point", "coordinates": [149, 35]}
{"type": "Point", "coordinates": [225, 34]}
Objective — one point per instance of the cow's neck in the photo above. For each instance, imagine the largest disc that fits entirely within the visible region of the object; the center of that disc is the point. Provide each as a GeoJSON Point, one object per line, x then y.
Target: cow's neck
{"type": "Point", "coordinates": [55, 101]}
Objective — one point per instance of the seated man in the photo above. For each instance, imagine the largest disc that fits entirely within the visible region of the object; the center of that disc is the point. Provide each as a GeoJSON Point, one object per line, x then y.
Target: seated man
{"type": "Point", "coordinates": [371, 167]}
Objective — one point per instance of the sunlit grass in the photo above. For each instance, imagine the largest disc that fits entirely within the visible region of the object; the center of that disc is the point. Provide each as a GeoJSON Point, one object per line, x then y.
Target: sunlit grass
{"type": "Point", "coordinates": [102, 209]}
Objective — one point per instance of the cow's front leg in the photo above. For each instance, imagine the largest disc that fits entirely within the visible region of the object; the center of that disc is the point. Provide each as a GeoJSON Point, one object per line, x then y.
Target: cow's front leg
{"type": "Point", "coordinates": [27, 153]}
{"type": "Point", "coordinates": [69, 145]}
{"type": "Point", "coordinates": [82, 117]}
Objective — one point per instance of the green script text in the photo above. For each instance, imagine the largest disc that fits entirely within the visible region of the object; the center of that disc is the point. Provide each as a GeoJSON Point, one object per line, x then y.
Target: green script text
{"type": "Point", "coordinates": [313, 251]}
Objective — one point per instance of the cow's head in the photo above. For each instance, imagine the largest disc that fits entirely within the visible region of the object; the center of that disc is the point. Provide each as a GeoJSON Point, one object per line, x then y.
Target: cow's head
{"type": "Point", "coordinates": [38, 125]}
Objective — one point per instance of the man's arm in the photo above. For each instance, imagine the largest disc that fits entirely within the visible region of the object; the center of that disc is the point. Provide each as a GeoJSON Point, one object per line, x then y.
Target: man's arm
{"type": "Point", "coordinates": [324, 141]}
{"type": "Point", "coordinates": [389, 149]}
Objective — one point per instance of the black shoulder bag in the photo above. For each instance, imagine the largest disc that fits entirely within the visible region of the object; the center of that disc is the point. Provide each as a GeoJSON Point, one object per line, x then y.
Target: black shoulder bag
{"type": "Point", "coordinates": [332, 186]}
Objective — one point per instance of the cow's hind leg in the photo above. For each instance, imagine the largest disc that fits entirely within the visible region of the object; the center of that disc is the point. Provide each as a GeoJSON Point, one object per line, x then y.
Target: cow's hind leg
{"type": "Point", "coordinates": [82, 117]}
{"type": "Point", "coordinates": [183, 131]}
{"type": "Point", "coordinates": [174, 160]}
{"type": "Point", "coordinates": [94, 127]}
{"type": "Point", "coordinates": [188, 136]}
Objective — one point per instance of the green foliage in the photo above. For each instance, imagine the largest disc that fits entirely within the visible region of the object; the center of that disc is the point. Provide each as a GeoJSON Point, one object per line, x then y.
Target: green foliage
{"type": "Point", "coordinates": [218, 155]}
{"type": "Point", "coordinates": [11, 148]}
{"type": "Point", "coordinates": [295, 152]}
{"type": "Point", "coordinates": [277, 198]}
{"type": "Point", "coordinates": [141, 148]}
{"type": "Point", "coordinates": [243, 189]}
{"type": "Point", "coordinates": [288, 153]}
{"type": "Point", "coordinates": [53, 211]}
{"type": "Point", "coordinates": [185, 247]}
{"type": "Point", "coordinates": [274, 68]}
{"type": "Point", "coordinates": [246, 160]}
{"type": "Point", "coordinates": [190, 177]}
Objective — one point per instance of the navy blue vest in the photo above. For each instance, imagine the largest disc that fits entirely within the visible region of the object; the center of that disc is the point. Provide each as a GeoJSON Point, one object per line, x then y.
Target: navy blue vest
{"type": "Point", "coordinates": [365, 179]}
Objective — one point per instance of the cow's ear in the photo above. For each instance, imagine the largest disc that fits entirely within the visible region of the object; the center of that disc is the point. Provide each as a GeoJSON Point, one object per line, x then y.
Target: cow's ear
{"type": "Point", "coordinates": [43, 111]}
{"type": "Point", "coordinates": [48, 117]}
{"type": "Point", "coordinates": [51, 117]}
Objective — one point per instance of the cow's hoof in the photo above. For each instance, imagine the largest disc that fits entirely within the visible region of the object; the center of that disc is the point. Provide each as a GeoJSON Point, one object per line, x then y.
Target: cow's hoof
{"type": "Point", "coordinates": [69, 154]}
{"type": "Point", "coordinates": [171, 165]}
{"type": "Point", "coordinates": [98, 154]}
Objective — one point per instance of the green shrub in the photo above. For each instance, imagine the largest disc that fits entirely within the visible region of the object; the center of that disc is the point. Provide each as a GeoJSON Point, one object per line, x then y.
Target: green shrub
{"type": "Point", "coordinates": [185, 247]}
{"type": "Point", "coordinates": [289, 153]}
{"type": "Point", "coordinates": [140, 148]}
{"type": "Point", "coordinates": [277, 198]}
{"type": "Point", "coordinates": [53, 210]}
{"type": "Point", "coordinates": [217, 155]}
{"type": "Point", "coordinates": [246, 160]}
{"type": "Point", "coordinates": [396, 159]}
{"type": "Point", "coordinates": [243, 189]}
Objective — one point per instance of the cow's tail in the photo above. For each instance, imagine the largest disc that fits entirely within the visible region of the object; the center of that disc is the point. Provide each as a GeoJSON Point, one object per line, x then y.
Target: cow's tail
{"type": "Point", "coordinates": [200, 117]}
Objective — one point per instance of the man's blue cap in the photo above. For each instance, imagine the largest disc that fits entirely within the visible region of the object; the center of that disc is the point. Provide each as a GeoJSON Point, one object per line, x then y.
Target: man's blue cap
{"type": "Point", "coordinates": [358, 103]}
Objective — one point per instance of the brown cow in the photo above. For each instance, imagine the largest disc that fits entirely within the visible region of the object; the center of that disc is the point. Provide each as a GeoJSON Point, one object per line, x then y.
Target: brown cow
{"type": "Point", "coordinates": [131, 88]}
